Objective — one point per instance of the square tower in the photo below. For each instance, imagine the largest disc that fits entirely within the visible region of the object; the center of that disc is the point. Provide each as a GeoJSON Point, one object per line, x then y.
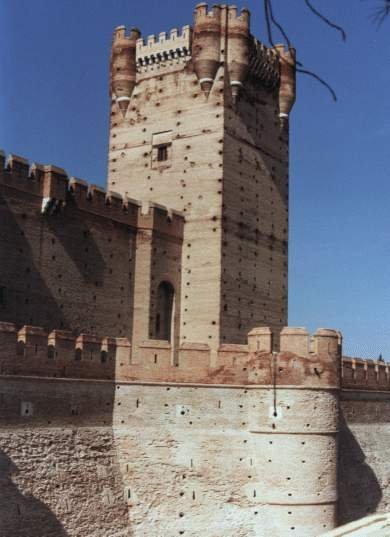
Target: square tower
{"type": "Point", "coordinates": [199, 123]}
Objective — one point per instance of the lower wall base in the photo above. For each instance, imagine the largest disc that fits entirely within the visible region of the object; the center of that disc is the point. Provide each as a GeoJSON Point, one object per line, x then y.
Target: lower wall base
{"type": "Point", "coordinates": [364, 476]}
{"type": "Point", "coordinates": [60, 482]}
{"type": "Point", "coordinates": [98, 459]}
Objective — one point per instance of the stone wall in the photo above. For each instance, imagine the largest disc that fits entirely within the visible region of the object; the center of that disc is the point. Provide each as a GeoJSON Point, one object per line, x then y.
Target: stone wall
{"type": "Point", "coordinates": [364, 468]}
{"type": "Point", "coordinates": [59, 468]}
{"type": "Point", "coordinates": [182, 460]}
{"type": "Point", "coordinates": [185, 448]}
{"type": "Point", "coordinates": [243, 441]}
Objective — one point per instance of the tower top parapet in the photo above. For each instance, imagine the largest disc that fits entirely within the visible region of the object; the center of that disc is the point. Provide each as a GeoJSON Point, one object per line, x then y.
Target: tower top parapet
{"type": "Point", "coordinates": [164, 47]}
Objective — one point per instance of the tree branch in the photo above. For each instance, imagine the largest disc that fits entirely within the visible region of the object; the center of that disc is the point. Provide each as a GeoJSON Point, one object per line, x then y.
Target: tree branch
{"type": "Point", "coordinates": [326, 20]}
{"type": "Point", "coordinates": [381, 13]}
{"type": "Point", "coordinates": [319, 79]}
{"type": "Point", "coordinates": [271, 22]}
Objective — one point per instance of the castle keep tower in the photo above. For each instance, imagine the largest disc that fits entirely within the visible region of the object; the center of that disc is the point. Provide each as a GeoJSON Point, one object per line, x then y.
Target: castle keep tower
{"type": "Point", "coordinates": [199, 123]}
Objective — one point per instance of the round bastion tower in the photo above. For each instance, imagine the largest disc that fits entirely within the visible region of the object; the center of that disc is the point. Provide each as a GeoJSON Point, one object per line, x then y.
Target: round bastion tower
{"type": "Point", "coordinates": [294, 429]}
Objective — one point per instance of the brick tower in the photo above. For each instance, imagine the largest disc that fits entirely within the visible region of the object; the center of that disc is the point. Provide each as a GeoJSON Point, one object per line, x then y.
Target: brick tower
{"type": "Point", "coordinates": [199, 123]}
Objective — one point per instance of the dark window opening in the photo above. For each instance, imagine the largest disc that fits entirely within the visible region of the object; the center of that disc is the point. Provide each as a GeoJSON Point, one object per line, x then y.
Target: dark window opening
{"type": "Point", "coordinates": [165, 311]}
{"type": "Point", "coordinates": [162, 153]}
{"type": "Point", "coordinates": [3, 297]}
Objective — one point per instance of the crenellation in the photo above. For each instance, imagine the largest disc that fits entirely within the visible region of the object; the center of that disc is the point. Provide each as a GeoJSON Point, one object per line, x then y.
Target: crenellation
{"type": "Point", "coordinates": [264, 64]}
{"type": "Point", "coordinates": [359, 374]}
{"type": "Point", "coordinates": [34, 352]}
{"type": "Point", "coordinates": [157, 217]}
{"type": "Point", "coordinates": [18, 166]}
{"type": "Point", "coordinates": [163, 49]}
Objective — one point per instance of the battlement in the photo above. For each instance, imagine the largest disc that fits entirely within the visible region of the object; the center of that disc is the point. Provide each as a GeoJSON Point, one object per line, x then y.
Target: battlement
{"type": "Point", "coordinates": [162, 49]}
{"type": "Point", "coordinates": [202, 11]}
{"type": "Point", "coordinates": [302, 360]}
{"type": "Point", "coordinates": [360, 374]}
{"type": "Point", "coordinates": [32, 352]}
{"type": "Point", "coordinates": [57, 190]}
{"type": "Point", "coordinates": [220, 35]}
{"type": "Point", "coordinates": [157, 217]}
{"type": "Point", "coordinates": [264, 64]}
{"type": "Point", "coordinates": [121, 33]}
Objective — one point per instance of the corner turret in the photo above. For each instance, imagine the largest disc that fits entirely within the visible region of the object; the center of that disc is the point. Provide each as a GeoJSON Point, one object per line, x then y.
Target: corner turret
{"type": "Point", "coordinates": [206, 45]}
{"type": "Point", "coordinates": [238, 34]}
{"type": "Point", "coordinates": [123, 66]}
{"type": "Point", "coordinates": [287, 91]}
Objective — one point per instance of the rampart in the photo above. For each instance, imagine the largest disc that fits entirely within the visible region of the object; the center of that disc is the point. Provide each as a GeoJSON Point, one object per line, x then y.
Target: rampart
{"type": "Point", "coordinates": [32, 351]}
{"type": "Point", "coordinates": [206, 431]}
{"type": "Point", "coordinates": [174, 408]}
{"type": "Point", "coordinates": [301, 361]}
{"type": "Point", "coordinates": [69, 250]}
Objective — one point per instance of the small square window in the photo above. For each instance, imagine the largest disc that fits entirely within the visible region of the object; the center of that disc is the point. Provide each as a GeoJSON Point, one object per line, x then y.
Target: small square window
{"type": "Point", "coordinates": [162, 153]}
{"type": "Point", "coordinates": [162, 150]}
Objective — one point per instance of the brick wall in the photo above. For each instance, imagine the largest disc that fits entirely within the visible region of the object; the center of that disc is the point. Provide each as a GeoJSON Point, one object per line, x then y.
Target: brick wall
{"type": "Point", "coordinates": [68, 251]}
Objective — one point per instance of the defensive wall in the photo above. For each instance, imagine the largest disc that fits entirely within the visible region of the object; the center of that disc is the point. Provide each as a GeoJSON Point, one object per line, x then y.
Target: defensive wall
{"type": "Point", "coordinates": [75, 257]}
{"type": "Point", "coordinates": [242, 442]}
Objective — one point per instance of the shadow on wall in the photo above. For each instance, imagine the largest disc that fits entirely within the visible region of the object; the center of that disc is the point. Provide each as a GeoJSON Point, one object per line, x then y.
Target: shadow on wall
{"type": "Point", "coordinates": [23, 515]}
{"type": "Point", "coordinates": [78, 241]}
{"type": "Point", "coordinates": [24, 291]}
{"type": "Point", "coordinates": [358, 488]}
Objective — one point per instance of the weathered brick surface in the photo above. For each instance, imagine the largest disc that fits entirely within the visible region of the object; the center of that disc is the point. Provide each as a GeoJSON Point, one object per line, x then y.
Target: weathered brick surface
{"type": "Point", "coordinates": [58, 461]}
{"type": "Point", "coordinates": [214, 100]}
{"type": "Point", "coordinates": [74, 264]}
{"type": "Point", "coordinates": [71, 270]}
{"type": "Point", "coordinates": [60, 481]}
{"type": "Point", "coordinates": [255, 216]}
{"type": "Point", "coordinates": [198, 460]}
{"type": "Point", "coordinates": [364, 477]}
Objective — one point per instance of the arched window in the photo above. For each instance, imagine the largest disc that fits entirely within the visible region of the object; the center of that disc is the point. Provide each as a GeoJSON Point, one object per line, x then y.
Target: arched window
{"type": "Point", "coordinates": [164, 311]}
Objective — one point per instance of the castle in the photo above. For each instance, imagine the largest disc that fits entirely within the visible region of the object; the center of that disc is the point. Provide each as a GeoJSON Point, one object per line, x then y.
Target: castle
{"type": "Point", "coordinates": [149, 385]}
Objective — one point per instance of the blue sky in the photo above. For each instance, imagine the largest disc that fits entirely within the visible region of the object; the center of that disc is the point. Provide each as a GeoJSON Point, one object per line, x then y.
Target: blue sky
{"type": "Point", "coordinates": [54, 58]}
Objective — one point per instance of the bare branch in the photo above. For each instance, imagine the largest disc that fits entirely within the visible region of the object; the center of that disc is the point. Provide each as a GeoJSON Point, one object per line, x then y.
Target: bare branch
{"type": "Point", "coordinates": [381, 13]}
{"type": "Point", "coordinates": [319, 79]}
{"type": "Point", "coordinates": [268, 21]}
{"type": "Point", "coordinates": [325, 19]}
{"type": "Point", "coordinates": [272, 22]}
{"type": "Point", "coordinates": [277, 24]}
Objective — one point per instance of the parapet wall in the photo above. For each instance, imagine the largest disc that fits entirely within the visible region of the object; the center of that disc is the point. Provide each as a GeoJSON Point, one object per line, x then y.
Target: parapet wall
{"type": "Point", "coordinates": [220, 37]}
{"type": "Point", "coordinates": [31, 351]}
{"type": "Point", "coordinates": [161, 49]}
{"type": "Point", "coordinates": [56, 189]}
{"type": "Point", "coordinates": [302, 360]}
{"type": "Point", "coordinates": [360, 374]}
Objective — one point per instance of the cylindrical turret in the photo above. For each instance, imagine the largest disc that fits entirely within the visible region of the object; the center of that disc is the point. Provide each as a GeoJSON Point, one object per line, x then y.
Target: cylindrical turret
{"type": "Point", "coordinates": [238, 48]}
{"type": "Point", "coordinates": [123, 66]}
{"type": "Point", "coordinates": [287, 91]}
{"type": "Point", "coordinates": [294, 433]}
{"type": "Point", "coordinates": [206, 44]}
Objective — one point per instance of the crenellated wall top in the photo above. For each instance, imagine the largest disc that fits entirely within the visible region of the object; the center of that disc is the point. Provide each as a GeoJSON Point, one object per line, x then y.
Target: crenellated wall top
{"type": "Point", "coordinates": [57, 190]}
{"type": "Point", "coordinates": [30, 351]}
{"type": "Point", "coordinates": [163, 48]}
